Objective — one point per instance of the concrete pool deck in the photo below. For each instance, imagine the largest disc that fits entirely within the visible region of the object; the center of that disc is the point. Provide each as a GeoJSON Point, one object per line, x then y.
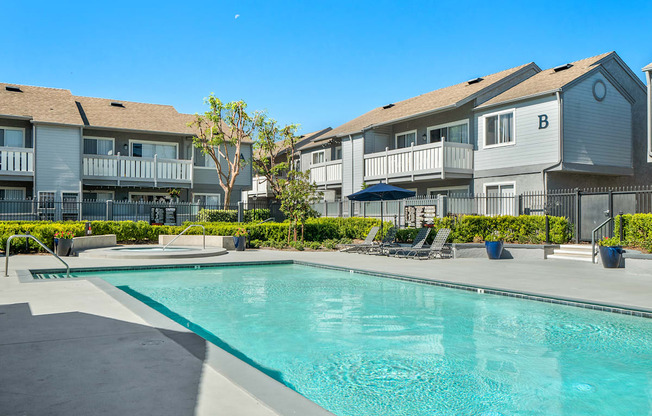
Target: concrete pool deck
{"type": "Point", "coordinates": [73, 347]}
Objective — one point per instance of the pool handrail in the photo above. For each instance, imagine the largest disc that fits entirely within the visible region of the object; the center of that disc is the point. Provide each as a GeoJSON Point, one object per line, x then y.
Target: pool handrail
{"type": "Point", "coordinates": [184, 231]}
{"type": "Point", "coordinates": [593, 237]}
{"type": "Point", "coordinates": [7, 252]}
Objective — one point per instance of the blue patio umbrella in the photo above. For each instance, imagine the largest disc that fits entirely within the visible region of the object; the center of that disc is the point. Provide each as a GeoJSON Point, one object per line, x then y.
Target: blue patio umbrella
{"type": "Point", "coordinates": [381, 192]}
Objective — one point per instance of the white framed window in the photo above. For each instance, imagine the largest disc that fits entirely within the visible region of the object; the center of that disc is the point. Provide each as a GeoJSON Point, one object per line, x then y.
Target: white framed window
{"type": "Point", "coordinates": [149, 196]}
{"type": "Point", "coordinates": [455, 132]}
{"type": "Point", "coordinates": [46, 200]}
{"type": "Point", "coordinates": [405, 139]}
{"type": "Point", "coordinates": [318, 157]}
{"type": "Point", "coordinates": [448, 190]}
{"type": "Point", "coordinates": [12, 137]}
{"type": "Point", "coordinates": [163, 150]}
{"type": "Point", "coordinates": [99, 146]}
{"type": "Point", "coordinates": [99, 196]}
{"type": "Point", "coordinates": [338, 153]}
{"type": "Point", "coordinates": [207, 200]}
{"type": "Point", "coordinates": [500, 198]}
{"type": "Point", "coordinates": [10, 193]}
{"type": "Point", "coordinates": [499, 129]}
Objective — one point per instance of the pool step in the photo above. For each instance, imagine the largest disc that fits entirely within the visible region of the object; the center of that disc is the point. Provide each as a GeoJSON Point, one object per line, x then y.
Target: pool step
{"type": "Point", "coordinates": [572, 252]}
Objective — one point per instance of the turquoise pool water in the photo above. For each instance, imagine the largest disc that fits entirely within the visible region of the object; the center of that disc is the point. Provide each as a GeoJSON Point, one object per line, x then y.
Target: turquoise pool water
{"type": "Point", "coordinates": [363, 345]}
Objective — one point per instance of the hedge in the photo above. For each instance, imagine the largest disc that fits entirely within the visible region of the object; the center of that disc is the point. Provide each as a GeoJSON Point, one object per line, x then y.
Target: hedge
{"type": "Point", "coordinates": [231, 215]}
{"type": "Point", "coordinates": [637, 230]}
{"type": "Point", "coordinates": [522, 229]}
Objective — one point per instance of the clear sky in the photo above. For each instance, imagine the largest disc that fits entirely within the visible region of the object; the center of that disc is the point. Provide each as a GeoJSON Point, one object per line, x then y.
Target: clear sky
{"type": "Point", "coordinates": [314, 63]}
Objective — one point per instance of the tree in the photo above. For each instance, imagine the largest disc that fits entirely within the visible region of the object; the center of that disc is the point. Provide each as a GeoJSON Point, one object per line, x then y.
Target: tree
{"type": "Point", "coordinates": [271, 143]}
{"type": "Point", "coordinates": [220, 133]}
{"type": "Point", "coordinates": [297, 195]}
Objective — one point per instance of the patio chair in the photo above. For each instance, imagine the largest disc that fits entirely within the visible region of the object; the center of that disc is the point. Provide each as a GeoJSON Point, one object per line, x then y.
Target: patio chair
{"type": "Point", "coordinates": [354, 248]}
{"type": "Point", "coordinates": [387, 241]}
{"type": "Point", "coordinates": [437, 249]}
{"type": "Point", "coordinates": [418, 243]}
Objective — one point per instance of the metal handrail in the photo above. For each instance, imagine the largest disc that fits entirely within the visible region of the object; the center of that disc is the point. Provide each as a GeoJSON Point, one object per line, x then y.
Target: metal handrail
{"type": "Point", "coordinates": [7, 252]}
{"type": "Point", "coordinates": [593, 234]}
{"type": "Point", "coordinates": [184, 231]}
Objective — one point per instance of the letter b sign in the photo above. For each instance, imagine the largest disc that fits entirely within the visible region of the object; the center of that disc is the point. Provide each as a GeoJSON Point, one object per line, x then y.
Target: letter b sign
{"type": "Point", "coordinates": [543, 121]}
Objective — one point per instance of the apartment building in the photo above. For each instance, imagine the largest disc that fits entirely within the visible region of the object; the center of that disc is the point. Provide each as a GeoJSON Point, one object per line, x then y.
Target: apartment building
{"type": "Point", "coordinates": [580, 124]}
{"type": "Point", "coordinates": [57, 146]}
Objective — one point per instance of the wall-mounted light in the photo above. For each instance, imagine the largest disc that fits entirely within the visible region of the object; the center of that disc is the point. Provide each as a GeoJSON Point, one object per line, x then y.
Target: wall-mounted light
{"type": "Point", "coordinates": [125, 147]}
{"type": "Point", "coordinates": [424, 137]}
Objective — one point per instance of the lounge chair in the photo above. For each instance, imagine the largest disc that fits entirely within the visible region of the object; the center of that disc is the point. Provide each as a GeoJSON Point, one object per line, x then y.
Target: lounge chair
{"type": "Point", "coordinates": [354, 248]}
{"type": "Point", "coordinates": [418, 243]}
{"type": "Point", "coordinates": [437, 248]}
{"type": "Point", "coordinates": [387, 241]}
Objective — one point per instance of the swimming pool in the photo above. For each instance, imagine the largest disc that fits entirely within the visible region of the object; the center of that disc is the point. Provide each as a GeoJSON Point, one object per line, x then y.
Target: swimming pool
{"type": "Point", "coordinates": [362, 345]}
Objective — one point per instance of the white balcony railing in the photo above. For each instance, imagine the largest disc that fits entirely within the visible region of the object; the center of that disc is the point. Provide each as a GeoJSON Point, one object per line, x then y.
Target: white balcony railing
{"type": "Point", "coordinates": [16, 159]}
{"type": "Point", "coordinates": [136, 168]}
{"type": "Point", "coordinates": [326, 172]}
{"type": "Point", "coordinates": [260, 187]}
{"type": "Point", "coordinates": [412, 161]}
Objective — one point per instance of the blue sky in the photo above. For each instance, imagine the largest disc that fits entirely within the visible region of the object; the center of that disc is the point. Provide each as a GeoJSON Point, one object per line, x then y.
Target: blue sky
{"type": "Point", "coordinates": [314, 63]}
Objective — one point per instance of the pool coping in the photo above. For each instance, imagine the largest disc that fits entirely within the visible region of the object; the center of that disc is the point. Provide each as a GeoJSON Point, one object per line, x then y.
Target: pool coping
{"type": "Point", "coordinates": [262, 387]}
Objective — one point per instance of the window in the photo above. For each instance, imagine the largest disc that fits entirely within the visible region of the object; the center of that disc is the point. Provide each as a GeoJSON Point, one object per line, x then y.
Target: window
{"type": "Point", "coordinates": [10, 137]}
{"type": "Point", "coordinates": [499, 129]}
{"type": "Point", "coordinates": [337, 153]}
{"type": "Point", "coordinates": [148, 197]}
{"type": "Point", "coordinates": [99, 196]}
{"type": "Point", "coordinates": [406, 139]}
{"type": "Point", "coordinates": [98, 146]}
{"type": "Point", "coordinates": [12, 193]}
{"type": "Point", "coordinates": [207, 200]}
{"type": "Point", "coordinates": [318, 157]}
{"type": "Point", "coordinates": [456, 132]}
{"type": "Point", "coordinates": [149, 149]}
{"type": "Point", "coordinates": [448, 191]}
{"type": "Point", "coordinates": [46, 200]}
{"type": "Point", "coordinates": [500, 198]}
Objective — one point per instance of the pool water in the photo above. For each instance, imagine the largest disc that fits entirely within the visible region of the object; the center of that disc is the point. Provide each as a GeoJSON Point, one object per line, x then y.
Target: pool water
{"type": "Point", "coordinates": [364, 345]}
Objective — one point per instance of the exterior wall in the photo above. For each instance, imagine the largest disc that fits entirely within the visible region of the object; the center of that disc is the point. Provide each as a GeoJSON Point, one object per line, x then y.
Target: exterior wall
{"type": "Point", "coordinates": [532, 182]}
{"type": "Point", "coordinates": [206, 177]}
{"type": "Point", "coordinates": [421, 187]}
{"type": "Point", "coordinates": [122, 140]}
{"type": "Point", "coordinates": [352, 164]}
{"type": "Point", "coordinates": [648, 76]}
{"type": "Point", "coordinates": [597, 133]}
{"type": "Point", "coordinates": [57, 163]}
{"type": "Point", "coordinates": [532, 146]}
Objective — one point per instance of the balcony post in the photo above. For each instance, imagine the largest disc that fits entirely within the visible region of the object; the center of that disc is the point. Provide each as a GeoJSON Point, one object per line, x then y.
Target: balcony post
{"type": "Point", "coordinates": [155, 169]}
{"type": "Point", "coordinates": [442, 158]}
{"type": "Point", "coordinates": [386, 164]}
{"type": "Point", "coordinates": [118, 169]}
{"type": "Point", "coordinates": [412, 160]}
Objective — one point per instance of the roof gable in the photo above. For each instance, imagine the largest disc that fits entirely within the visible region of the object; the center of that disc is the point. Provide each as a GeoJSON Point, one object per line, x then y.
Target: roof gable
{"type": "Point", "coordinates": [46, 105]}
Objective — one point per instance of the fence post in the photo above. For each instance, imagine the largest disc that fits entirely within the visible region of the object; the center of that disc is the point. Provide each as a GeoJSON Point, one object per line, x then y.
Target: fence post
{"type": "Point", "coordinates": [325, 208]}
{"type": "Point", "coordinates": [578, 210]}
{"type": "Point", "coordinates": [547, 229]}
{"type": "Point", "coordinates": [442, 205]}
{"type": "Point", "coordinates": [519, 209]}
{"type": "Point", "coordinates": [240, 212]}
{"type": "Point", "coordinates": [622, 228]}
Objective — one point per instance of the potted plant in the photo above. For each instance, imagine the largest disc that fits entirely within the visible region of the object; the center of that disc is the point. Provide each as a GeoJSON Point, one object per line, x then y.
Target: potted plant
{"type": "Point", "coordinates": [63, 242]}
{"type": "Point", "coordinates": [611, 252]}
{"type": "Point", "coordinates": [174, 194]}
{"type": "Point", "coordinates": [240, 239]}
{"type": "Point", "coordinates": [493, 243]}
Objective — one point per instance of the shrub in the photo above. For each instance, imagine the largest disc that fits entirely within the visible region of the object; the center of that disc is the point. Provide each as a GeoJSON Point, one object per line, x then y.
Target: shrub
{"type": "Point", "coordinates": [231, 215]}
{"type": "Point", "coordinates": [637, 230]}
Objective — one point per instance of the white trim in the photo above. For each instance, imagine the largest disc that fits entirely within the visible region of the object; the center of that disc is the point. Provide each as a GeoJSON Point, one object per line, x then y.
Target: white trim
{"type": "Point", "coordinates": [498, 184]}
{"type": "Point", "coordinates": [176, 145]}
{"type": "Point", "coordinates": [483, 120]}
{"type": "Point", "coordinates": [404, 133]}
{"type": "Point", "coordinates": [98, 138]}
{"type": "Point", "coordinates": [312, 157]}
{"type": "Point", "coordinates": [453, 123]}
{"type": "Point", "coordinates": [15, 128]}
{"type": "Point", "coordinates": [218, 195]}
{"type": "Point", "coordinates": [13, 188]}
{"type": "Point", "coordinates": [163, 194]}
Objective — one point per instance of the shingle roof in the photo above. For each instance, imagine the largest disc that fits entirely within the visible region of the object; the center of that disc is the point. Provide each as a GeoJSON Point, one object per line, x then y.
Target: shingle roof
{"type": "Point", "coordinates": [49, 105]}
{"type": "Point", "coordinates": [548, 80]}
{"type": "Point", "coordinates": [99, 112]}
{"type": "Point", "coordinates": [304, 140]}
{"type": "Point", "coordinates": [426, 102]}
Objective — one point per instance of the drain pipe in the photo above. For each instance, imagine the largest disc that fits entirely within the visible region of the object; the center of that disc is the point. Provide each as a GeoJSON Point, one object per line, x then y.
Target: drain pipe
{"type": "Point", "coordinates": [560, 116]}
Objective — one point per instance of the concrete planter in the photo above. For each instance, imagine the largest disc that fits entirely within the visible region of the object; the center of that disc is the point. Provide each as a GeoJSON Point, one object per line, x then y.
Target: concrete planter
{"type": "Point", "coordinates": [240, 243]}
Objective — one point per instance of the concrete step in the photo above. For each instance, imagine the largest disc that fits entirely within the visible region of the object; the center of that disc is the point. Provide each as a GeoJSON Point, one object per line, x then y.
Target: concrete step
{"type": "Point", "coordinates": [576, 247]}
{"type": "Point", "coordinates": [569, 257]}
{"type": "Point", "coordinates": [573, 253]}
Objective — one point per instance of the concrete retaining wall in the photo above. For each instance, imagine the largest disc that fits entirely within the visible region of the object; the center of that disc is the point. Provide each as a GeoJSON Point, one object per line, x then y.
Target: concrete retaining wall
{"type": "Point", "coordinates": [93, 241]}
{"type": "Point", "coordinates": [638, 263]}
{"type": "Point", "coordinates": [510, 251]}
{"type": "Point", "coordinates": [196, 241]}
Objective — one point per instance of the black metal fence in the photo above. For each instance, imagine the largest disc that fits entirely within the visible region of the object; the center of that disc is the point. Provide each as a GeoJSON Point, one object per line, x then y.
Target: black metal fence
{"type": "Point", "coordinates": [34, 210]}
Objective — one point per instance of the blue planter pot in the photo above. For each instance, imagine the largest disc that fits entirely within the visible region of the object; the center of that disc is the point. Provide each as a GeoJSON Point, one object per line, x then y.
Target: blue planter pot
{"type": "Point", "coordinates": [611, 256]}
{"type": "Point", "coordinates": [239, 243]}
{"type": "Point", "coordinates": [494, 249]}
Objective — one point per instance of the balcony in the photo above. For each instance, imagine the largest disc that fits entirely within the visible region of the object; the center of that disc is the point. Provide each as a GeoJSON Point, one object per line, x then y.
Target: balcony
{"type": "Point", "coordinates": [16, 161]}
{"type": "Point", "coordinates": [430, 161]}
{"type": "Point", "coordinates": [326, 173]}
{"type": "Point", "coordinates": [260, 187]}
{"type": "Point", "coordinates": [125, 168]}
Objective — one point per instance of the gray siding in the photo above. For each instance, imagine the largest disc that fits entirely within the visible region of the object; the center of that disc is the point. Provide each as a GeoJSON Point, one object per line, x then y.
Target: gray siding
{"type": "Point", "coordinates": [597, 132]}
{"type": "Point", "coordinates": [532, 145]}
{"type": "Point", "coordinates": [58, 159]}
{"type": "Point", "coordinates": [208, 175]}
{"type": "Point", "coordinates": [358, 162]}
{"type": "Point", "coordinates": [352, 164]}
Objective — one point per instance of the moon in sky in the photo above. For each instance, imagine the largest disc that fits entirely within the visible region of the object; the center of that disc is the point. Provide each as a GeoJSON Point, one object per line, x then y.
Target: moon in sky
{"type": "Point", "coordinates": [237, 15]}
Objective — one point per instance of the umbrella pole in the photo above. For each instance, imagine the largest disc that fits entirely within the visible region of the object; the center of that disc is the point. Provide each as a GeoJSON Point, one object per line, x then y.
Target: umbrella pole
{"type": "Point", "coordinates": [381, 217]}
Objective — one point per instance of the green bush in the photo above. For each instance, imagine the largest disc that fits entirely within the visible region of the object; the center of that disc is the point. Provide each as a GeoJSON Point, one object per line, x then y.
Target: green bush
{"type": "Point", "coordinates": [231, 215]}
{"type": "Point", "coordinates": [637, 230]}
